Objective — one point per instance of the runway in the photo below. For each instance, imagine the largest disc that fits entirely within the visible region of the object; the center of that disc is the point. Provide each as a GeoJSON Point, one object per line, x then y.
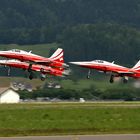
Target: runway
{"type": "Point", "coordinates": [78, 137]}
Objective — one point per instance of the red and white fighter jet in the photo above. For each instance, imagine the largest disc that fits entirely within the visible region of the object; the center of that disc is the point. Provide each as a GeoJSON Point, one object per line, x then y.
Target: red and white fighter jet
{"type": "Point", "coordinates": [115, 70]}
{"type": "Point", "coordinates": [44, 70]}
{"type": "Point", "coordinates": [56, 60]}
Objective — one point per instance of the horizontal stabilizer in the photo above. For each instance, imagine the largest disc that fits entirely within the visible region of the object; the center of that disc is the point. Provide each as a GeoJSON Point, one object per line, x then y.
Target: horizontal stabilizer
{"type": "Point", "coordinates": [128, 72]}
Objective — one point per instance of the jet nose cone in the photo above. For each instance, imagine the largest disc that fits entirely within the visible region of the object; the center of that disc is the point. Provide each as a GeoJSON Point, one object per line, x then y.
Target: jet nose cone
{"type": "Point", "coordinates": [2, 52]}
{"type": "Point", "coordinates": [3, 61]}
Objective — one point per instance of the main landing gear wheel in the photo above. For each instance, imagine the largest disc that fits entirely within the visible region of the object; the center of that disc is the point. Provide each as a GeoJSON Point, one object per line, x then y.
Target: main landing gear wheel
{"type": "Point", "coordinates": [31, 76]}
{"type": "Point", "coordinates": [88, 77]}
{"type": "Point", "coordinates": [125, 80]}
{"type": "Point", "coordinates": [112, 79]}
{"type": "Point", "coordinates": [42, 78]}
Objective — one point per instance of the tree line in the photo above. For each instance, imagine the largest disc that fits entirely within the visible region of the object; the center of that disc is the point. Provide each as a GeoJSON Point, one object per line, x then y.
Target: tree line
{"type": "Point", "coordinates": [88, 94]}
{"type": "Point", "coordinates": [33, 21]}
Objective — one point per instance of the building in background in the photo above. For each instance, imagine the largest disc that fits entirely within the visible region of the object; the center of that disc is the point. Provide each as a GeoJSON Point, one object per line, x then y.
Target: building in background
{"type": "Point", "coordinates": [8, 95]}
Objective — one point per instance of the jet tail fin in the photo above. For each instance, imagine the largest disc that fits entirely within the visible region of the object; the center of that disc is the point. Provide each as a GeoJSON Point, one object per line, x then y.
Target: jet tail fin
{"type": "Point", "coordinates": [137, 66]}
{"type": "Point", "coordinates": [58, 55]}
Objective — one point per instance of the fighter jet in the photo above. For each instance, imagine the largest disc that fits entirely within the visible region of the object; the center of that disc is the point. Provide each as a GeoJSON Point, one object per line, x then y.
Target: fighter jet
{"type": "Point", "coordinates": [44, 70]}
{"type": "Point", "coordinates": [114, 69]}
{"type": "Point", "coordinates": [56, 60]}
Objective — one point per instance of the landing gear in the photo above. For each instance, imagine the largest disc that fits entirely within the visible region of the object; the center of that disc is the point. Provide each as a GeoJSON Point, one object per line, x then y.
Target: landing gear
{"type": "Point", "coordinates": [31, 76]}
{"type": "Point", "coordinates": [30, 68]}
{"type": "Point", "coordinates": [43, 77]}
{"type": "Point", "coordinates": [112, 79]}
{"type": "Point", "coordinates": [42, 70]}
{"type": "Point", "coordinates": [9, 71]}
{"type": "Point", "coordinates": [125, 79]}
{"type": "Point", "coordinates": [88, 75]}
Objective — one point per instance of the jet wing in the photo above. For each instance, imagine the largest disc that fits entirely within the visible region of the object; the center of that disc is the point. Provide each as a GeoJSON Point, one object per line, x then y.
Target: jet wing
{"type": "Point", "coordinates": [47, 63]}
{"type": "Point", "coordinates": [51, 63]}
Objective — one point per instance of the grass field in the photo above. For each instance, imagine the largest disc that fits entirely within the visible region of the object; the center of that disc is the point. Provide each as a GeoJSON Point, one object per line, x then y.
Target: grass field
{"type": "Point", "coordinates": [69, 118]}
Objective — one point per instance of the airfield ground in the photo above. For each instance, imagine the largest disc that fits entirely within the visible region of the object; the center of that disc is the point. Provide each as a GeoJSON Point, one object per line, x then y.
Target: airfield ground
{"type": "Point", "coordinates": [78, 137]}
{"type": "Point", "coordinates": [69, 118]}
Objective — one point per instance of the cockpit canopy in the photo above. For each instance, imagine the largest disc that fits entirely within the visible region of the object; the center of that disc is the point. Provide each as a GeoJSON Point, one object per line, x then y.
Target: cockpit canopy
{"type": "Point", "coordinates": [15, 50]}
{"type": "Point", "coordinates": [18, 51]}
{"type": "Point", "coordinates": [98, 61]}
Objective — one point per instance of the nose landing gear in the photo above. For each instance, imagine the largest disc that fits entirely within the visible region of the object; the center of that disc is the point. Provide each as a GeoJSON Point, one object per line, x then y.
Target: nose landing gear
{"type": "Point", "coordinates": [88, 75]}
{"type": "Point", "coordinates": [111, 79]}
